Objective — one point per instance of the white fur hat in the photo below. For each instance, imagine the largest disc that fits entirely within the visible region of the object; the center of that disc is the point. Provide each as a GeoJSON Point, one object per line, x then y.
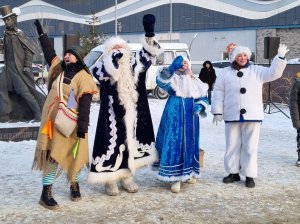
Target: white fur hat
{"type": "Point", "coordinates": [115, 40]}
{"type": "Point", "coordinates": [239, 50]}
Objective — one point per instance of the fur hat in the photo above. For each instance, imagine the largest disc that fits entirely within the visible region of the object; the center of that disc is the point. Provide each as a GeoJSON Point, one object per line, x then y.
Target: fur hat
{"type": "Point", "coordinates": [115, 40]}
{"type": "Point", "coordinates": [239, 50]}
{"type": "Point", "coordinates": [78, 51]}
{"type": "Point", "coordinates": [6, 11]}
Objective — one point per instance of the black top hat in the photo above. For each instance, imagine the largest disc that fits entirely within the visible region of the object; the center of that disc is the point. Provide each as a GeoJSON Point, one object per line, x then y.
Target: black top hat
{"type": "Point", "coordinates": [6, 11]}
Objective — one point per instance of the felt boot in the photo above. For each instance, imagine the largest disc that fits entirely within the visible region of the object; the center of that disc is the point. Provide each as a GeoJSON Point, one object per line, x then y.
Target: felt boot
{"type": "Point", "coordinates": [111, 188]}
{"type": "Point", "coordinates": [175, 187]}
{"type": "Point", "coordinates": [129, 185]}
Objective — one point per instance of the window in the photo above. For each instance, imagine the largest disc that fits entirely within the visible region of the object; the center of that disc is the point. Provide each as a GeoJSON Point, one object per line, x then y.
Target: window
{"type": "Point", "coordinates": [168, 57]}
{"type": "Point", "coordinates": [92, 57]}
{"type": "Point", "coordinates": [225, 56]}
{"type": "Point", "coordinates": [183, 54]}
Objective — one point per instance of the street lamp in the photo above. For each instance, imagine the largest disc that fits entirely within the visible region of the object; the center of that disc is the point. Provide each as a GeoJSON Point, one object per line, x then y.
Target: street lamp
{"type": "Point", "coordinates": [171, 16]}
{"type": "Point", "coordinates": [190, 47]}
{"type": "Point", "coordinates": [116, 21]}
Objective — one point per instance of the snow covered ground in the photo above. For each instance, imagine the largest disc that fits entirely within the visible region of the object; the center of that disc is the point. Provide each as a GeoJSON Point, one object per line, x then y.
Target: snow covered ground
{"type": "Point", "coordinates": [275, 199]}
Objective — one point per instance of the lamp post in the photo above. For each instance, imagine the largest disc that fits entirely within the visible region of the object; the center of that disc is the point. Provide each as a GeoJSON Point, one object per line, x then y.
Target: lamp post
{"type": "Point", "coordinates": [171, 16]}
{"type": "Point", "coordinates": [190, 47]}
{"type": "Point", "coordinates": [116, 21]}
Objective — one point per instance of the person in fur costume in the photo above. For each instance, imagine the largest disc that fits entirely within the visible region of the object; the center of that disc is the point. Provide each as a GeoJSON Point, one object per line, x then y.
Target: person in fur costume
{"type": "Point", "coordinates": [177, 139]}
{"type": "Point", "coordinates": [237, 100]}
{"type": "Point", "coordinates": [124, 139]}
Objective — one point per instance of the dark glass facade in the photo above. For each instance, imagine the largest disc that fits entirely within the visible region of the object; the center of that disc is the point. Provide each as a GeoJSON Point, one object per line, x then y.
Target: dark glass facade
{"type": "Point", "coordinates": [185, 18]}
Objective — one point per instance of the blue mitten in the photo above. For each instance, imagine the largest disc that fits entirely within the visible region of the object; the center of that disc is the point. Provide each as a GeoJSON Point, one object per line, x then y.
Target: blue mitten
{"type": "Point", "coordinates": [176, 64]}
{"type": "Point", "coordinates": [199, 108]}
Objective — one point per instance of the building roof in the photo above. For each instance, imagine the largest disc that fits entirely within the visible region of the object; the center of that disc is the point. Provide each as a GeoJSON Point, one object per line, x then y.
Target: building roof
{"type": "Point", "coordinates": [249, 9]}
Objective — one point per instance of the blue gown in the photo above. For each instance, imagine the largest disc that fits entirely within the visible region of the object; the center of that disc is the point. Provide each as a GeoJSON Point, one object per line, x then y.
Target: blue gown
{"type": "Point", "coordinates": [177, 138]}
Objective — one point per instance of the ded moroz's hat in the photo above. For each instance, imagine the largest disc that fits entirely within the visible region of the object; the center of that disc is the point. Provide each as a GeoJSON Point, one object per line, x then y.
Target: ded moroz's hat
{"type": "Point", "coordinates": [6, 11]}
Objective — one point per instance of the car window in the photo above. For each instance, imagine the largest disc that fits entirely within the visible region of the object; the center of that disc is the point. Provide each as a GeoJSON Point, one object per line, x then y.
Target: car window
{"type": "Point", "coordinates": [92, 57]}
{"type": "Point", "coordinates": [168, 57]}
{"type": "Point", "coordinates": [221, 64]}
{"type": "Point", "coordinates": [159, 59]}
{"type": "Point", "coordinates": [182, 53]}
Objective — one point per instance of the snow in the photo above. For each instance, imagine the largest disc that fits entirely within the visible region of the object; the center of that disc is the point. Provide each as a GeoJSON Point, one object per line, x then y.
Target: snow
{"type": "Point", "coordinates": [275, 199]}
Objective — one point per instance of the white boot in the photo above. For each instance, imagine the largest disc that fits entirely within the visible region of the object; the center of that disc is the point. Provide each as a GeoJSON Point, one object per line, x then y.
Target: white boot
{"type": "Point", "coordinates": [175, 187]}
{"type": "Point", "coordinates": [192, 180]}
{"type": "Point", "coordinates": [111, 188]}
{"type": "Point", "coordinates": [129, 185]}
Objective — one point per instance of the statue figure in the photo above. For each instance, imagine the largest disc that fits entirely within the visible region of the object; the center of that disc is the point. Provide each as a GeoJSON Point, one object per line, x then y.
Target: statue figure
{"type": "Point", "coordinates": [19, 99]}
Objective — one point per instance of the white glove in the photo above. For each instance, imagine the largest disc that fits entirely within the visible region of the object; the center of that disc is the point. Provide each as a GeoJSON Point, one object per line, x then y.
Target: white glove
{"type": "Point", "coordinates": [217, 118]}
{"type": "Point", "coordinates": [282, 50]}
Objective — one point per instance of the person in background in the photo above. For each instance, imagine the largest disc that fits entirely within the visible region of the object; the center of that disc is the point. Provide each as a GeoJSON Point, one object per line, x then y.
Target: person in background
{"type": "Point", "coordinates": [124, 139]}
{"type": "Point", "coordinates": [177, 139]}
{"type": "Point", "coordinates": [295, 110]}
{"type": "Point", "coordinates": [19, 99]}
{"type": "Point", "coordinates": [54, 151]}
{"type": "Point", "coordinates": [237, 100]}
{"type": "Point", "coordinates": [208, 75]}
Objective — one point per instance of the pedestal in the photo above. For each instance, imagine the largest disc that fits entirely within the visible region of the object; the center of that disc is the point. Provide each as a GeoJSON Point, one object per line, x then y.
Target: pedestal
{"type": "Point", "coordinates": [17, 134]}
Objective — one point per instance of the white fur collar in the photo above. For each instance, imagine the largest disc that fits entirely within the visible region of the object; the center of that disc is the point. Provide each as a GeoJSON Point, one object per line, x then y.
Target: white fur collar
{"type": "Point", "coordinates": [188, 86]}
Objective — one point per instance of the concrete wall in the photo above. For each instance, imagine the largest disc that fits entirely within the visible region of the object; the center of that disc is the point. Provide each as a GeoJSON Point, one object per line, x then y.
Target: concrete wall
{"type": "Point", "coordinates": [290, 37]}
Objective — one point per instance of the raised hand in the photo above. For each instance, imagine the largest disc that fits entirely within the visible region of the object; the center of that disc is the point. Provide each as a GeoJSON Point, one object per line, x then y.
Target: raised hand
{"type": "Point", "coordinates": [282, 50]}
{"type": "Point", "coordinates": [149, 23]}
{"type": "Point", "coordinates": [39, 27]}
{"type": "Point", "coordinates": [176, 64]}
{"type": "Point", "coordinates": [116, 57]}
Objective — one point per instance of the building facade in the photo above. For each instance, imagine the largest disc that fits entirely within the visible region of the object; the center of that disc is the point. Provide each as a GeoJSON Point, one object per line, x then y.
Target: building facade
{"type": "Point", "coordinates": [206, 26]}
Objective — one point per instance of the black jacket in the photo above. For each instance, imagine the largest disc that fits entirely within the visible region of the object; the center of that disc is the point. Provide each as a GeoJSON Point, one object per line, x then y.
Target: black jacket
{"type": "Point", "coordinates": [208, 75]}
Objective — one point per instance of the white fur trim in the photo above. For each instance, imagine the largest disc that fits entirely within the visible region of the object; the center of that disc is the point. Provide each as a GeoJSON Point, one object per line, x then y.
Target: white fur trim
{"type": "Point", "coordinates": [179, 178]}
{"type": "Point", "coordinates": [239, 50]}
{"type": "Point", "coordinates": [104, 177]}
{"type": "Point", "coordinates": [139, 66]}
{"type": "Point", "coordinates": [115, 40]}
{"type": "Point", "coordinates": [153, 157]}
{"type": "Point", "coordinates": [187, 86]}
{"type": "Point", "coordinates": [153, 50]}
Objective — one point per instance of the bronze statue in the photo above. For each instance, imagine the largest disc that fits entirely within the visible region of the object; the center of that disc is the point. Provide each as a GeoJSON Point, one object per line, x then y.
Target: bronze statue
{"type": "Point", "coordinates": [19, 99]}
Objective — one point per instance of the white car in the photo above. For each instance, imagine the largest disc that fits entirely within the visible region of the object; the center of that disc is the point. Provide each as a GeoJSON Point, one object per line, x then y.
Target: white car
{"type": "Point", "coordinates": [171, 50]}
{"type": "Point", "coordinates": [40, 73]}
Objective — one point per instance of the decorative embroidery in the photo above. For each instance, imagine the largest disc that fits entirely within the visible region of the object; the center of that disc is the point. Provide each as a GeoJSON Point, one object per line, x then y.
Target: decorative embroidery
{"type": "Point", "coordinates": [144, 148]}
{"type": "Point", "coordinates": [99, 73]}
{"type": "Point", "coordinates": [99, 167]}
{"type": "Point", "coordinates": [145, 55]}
{"type": "Point", "coordinates": [113, 134]}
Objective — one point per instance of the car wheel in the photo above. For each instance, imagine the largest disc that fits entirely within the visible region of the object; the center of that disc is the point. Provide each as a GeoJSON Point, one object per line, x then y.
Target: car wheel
{"type": "Point", "coordinates": [160, 93]}
{"type": "Point", "coordinates": [41, 81]}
